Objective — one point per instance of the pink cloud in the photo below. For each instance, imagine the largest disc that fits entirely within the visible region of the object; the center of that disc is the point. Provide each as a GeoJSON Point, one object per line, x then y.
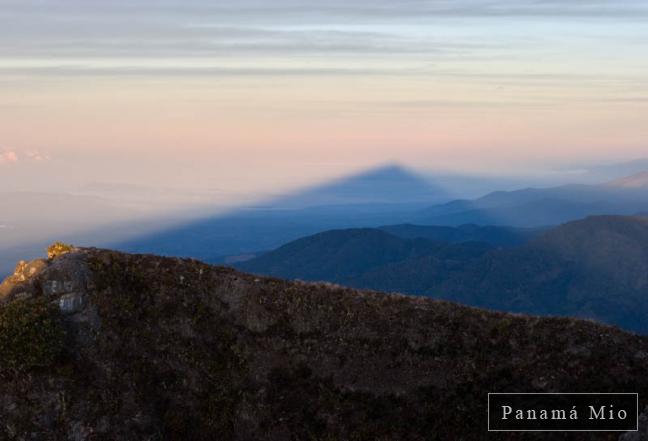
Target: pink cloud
{"type": "Point", "coordinates": [36, 156]}
{"type": "Point", "coordinates": [8, 156]}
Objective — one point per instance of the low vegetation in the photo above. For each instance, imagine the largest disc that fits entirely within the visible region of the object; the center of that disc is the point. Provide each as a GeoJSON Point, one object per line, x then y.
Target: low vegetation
{"type": "Point", "coordinates": [58, 248]}
{"type": "Point", "coordinates": [32, 335]}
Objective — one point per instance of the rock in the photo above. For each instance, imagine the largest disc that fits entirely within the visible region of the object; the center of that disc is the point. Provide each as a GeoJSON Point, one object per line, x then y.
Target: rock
{"type": "Point", "coordinates": [23, 278]}
{"type": "Point", "coordinates": [79, 432]}
{"type": "Point", "coordinates": [71, 303]}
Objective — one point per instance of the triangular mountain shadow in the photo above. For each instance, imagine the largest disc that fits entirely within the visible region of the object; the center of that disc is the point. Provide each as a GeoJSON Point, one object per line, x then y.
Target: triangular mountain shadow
{"type": "Point", "coordinates": [385, 195]}
{"type": "Point", "coordinates": [391, 184]}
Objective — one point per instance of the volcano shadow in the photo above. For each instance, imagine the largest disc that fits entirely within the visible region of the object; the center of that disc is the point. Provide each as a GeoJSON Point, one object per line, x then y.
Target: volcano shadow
{"type": "Point", "coordinates": [386, 195]}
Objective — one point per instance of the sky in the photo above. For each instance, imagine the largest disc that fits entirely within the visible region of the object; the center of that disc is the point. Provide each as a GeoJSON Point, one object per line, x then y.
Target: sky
{"type": "Point", "coordinates": [233, 98]}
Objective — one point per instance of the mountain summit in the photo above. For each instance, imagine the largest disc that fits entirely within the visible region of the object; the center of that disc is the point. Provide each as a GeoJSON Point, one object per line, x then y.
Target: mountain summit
{"type": "Point", "coordinates": [389, 184]}
{"type": "Point", "coordinates": [638, 180]}
{"type": "Point", "coordinates": [99, 345]}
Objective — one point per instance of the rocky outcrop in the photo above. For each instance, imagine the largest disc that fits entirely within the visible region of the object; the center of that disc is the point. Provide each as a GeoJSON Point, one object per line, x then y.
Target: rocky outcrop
{"type": "Point", "coordinates": [146, 347]}
{"type": "Point", "coordinates": [65, 280]}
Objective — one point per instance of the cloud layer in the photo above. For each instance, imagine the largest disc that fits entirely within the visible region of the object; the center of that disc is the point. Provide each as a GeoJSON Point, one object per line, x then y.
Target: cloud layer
{"type": "Point", "coordinates": [286, 83]}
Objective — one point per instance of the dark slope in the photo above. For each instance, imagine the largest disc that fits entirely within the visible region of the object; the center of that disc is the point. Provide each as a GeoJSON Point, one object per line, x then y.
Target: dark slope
{"type": "Point", "coordinates": [494, 235]}
{"type": "Point", "coordinates": [595, 268]}
{"type": "Point", "coordinates": [98, 345]}
{"type": "Point", "coordinates": [348, 256]}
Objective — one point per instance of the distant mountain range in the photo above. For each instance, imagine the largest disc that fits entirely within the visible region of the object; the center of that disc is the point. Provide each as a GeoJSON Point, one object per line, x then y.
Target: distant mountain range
{"type": "Point", "coordinates": [609, 172]}
{"type": "Point", "coordinates": [383, 196]}
{"type": "Point", "coordinates": [534, 207]}
{"type": "Point", "coordinates": [391, 195]}
{"type": "Point", "coordinates": [594, 268]}
{"type": "Point", "coordinates": [638, 180]}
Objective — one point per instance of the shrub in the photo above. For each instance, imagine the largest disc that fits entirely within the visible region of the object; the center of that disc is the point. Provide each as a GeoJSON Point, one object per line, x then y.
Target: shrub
{"type": "Point", "coordinates": [58, 248]}
{"type": "Point", "coordinates": [31, 335]}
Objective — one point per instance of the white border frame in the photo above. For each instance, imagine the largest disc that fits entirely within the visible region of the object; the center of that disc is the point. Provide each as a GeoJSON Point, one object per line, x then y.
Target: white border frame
{"type": "Point", "coordinates": [636, 394]}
